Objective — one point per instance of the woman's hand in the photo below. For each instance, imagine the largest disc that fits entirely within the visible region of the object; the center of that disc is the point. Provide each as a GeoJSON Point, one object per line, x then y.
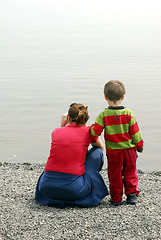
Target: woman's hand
{"type": "Point", "coordinates": [99, 144]}
{"type": "Point", "coordinates": [64, 119]}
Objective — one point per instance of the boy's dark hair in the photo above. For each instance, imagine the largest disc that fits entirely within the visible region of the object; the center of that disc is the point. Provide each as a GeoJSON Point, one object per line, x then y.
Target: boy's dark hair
{"type": "Point", "coordinates": [114, 90]}
{"type": "Point", "coordinates": [78, 113]}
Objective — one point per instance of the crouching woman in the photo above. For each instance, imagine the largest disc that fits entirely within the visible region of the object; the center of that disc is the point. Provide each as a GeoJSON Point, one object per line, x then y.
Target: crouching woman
{"type": "Point", "coordinates": [71, 176]}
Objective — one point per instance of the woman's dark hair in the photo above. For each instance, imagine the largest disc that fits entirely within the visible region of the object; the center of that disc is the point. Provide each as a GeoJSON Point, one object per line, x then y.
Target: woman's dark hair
{"type": "Point", "coordinates": [78, 113]}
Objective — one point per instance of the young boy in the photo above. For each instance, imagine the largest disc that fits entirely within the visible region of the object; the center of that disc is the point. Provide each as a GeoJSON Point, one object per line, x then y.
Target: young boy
{"type": "Point", "coordinates": [122, 138]}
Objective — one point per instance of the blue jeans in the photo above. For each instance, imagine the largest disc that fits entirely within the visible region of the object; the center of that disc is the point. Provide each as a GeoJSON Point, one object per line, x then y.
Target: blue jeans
{"type": "Point", "coordinates": [94, 159]}
{"type": "Point", "coordinates": [63, 189]}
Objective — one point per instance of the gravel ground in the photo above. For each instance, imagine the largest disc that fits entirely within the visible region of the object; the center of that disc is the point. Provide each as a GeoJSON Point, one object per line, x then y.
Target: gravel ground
{"type": "Point", "coordinates": [23, 218]}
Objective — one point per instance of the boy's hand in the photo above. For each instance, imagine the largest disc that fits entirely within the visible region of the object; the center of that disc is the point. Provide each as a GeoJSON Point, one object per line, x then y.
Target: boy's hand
{"type": "Point", "coordinates": [64, 119]}
{"type": "Point", "coordinates": [140, 150]}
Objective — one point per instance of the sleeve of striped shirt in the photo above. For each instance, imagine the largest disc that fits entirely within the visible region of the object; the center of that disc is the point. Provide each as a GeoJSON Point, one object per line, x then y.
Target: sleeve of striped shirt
{"type": "Point", "coordinates": [135, 133]}
{"type": "Point", "coordinates": [97, 128]}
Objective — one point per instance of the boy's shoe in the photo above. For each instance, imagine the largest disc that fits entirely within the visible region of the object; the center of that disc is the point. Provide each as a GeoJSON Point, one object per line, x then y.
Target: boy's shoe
{"type": "Point", "coordinates": [115, 203]}
{"type": "Point", "coordinates": [131, 198]}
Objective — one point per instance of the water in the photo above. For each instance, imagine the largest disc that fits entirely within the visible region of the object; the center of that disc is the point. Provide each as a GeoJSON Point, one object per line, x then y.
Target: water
{"type": "Point", "coordinates": [53, 53]}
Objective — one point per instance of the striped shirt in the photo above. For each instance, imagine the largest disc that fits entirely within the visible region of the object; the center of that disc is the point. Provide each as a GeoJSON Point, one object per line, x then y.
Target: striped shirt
{"type": "Point", "coordinates": [121, 130]}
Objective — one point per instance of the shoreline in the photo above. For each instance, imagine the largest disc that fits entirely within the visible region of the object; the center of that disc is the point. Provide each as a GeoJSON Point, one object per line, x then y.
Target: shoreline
{"type": "Point", "coordinates": [23, 218]}
{"type": "Point", "coordinates": [42, 163]}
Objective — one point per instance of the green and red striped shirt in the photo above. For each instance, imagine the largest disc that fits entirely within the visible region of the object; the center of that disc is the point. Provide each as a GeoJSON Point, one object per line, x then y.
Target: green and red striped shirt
{"type": "Point", "coordinates": [121, 130]}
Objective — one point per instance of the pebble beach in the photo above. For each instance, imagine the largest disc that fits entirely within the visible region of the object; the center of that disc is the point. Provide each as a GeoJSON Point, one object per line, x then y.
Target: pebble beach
{"type": "Point", "coordinates": [23, 218]}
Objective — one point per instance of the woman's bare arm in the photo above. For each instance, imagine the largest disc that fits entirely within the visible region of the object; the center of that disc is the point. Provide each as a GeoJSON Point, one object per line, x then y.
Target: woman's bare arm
{"type": "Point", "coordinates": [99, 144]}
{"type": "Point", "coordinates": [64, 120]}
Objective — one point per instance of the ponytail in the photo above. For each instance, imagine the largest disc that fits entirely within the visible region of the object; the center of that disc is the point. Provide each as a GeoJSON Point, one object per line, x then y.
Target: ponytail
{"type": "Point", "coordinates": [78, 113]}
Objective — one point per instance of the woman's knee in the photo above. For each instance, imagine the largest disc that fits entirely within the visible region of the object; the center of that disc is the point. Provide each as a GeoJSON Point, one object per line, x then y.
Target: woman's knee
{"type": "Point", "coordinates": [95, 159]}
{"type": "Point", "coordinates": [97, 153]}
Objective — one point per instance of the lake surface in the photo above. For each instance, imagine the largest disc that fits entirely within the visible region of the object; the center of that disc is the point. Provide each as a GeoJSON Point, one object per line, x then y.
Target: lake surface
{"type": "Point", "coordinates": [53, 53]}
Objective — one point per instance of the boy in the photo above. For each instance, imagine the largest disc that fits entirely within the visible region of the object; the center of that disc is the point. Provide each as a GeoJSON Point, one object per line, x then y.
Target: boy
{"type": "Point", "coordinates": [122, 138]}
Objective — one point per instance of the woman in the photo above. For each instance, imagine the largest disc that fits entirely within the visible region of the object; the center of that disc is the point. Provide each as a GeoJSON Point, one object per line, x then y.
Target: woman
{"type": "Point", "coordinates": [71, 176]}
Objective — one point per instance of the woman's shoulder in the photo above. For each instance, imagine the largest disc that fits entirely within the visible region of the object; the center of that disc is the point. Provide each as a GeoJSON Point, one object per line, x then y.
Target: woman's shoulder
{"type": "Point", "coordinates": [72, 127]}
{"type": "Point", "coordinates": [58, 130]}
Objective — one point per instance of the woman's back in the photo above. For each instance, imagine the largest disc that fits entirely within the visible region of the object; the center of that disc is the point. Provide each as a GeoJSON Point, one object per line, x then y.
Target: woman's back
{"type": "Point", "coordinates": [68, 149]}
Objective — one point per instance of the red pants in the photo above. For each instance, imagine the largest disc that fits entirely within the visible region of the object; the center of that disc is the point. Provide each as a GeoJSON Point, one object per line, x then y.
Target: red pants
{"type": "Point", "coordinates": [122, 172]}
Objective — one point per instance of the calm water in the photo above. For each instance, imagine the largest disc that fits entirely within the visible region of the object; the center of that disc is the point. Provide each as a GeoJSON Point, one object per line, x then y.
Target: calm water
{"type": "Point", "coordinates": [53, 53]}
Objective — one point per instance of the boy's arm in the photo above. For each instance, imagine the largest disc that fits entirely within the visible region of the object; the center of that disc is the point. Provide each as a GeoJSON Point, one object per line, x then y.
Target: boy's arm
{"type": "Point", "coordinates": [97, 128]}
{"type": "Point", "coordinates": [136, 135]}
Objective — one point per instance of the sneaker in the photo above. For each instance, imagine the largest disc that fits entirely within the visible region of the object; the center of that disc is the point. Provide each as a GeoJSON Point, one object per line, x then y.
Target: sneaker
{"type": "Point", "coordinates": [115, 203]}
{"type": "Point", "coordinates": [131, 198]}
